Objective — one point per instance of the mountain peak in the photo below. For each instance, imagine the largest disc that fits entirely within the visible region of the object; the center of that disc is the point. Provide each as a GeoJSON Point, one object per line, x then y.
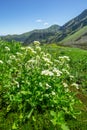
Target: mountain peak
{"type": "Point", "coordinates": [54, 26]}
{"type": "Point", "coordinates": [56, 33]}
{"type": "Point", "coordinates": [85, 11]}
{"type": "Point", "coordinates": [83, 14]}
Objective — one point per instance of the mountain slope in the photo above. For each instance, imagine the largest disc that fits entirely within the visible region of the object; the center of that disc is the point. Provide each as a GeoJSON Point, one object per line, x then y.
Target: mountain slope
{"type": "Point", "coordinates": [23, 37]}
{"type": "Point", "coordinates": [76, 36]}
{"type": "Point", "coordinates": [72, 26]}
{"type": "Point", "coordinates": [63, 32]}
{"type": "Point", "coordinates": [78, 39]}
{"type": "Point", "coordinates": [76, 23]}
{"type": "Point", "coordinates": [72, 33]}
{"type": "Point", "coordinates": [44, 35]}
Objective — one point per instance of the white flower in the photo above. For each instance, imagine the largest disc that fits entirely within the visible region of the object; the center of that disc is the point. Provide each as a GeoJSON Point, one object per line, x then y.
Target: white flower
{"type": "Point", "coordinates": [36, 43]}
{"type": "Point", "coordinates": [31, 61]}
{"type": "Point", "coordinates": [7, 48]}
{"type": "Point", "coordinates": [38, 48]}
{"type": "Point", "coordinates": [42, 53]}
{"type": "Point", "coordinates": [47, 64]}
{"type": "Point", "coordinates": [30, 49]}
{"type": "Point", "coordinates": [57, 61]}
{"type": "Point", "coordinates": [1, 62]}
{"type": "Point", "coordinates": [47, 60]}
{"type": "Point", "coordinates": [18, 53]}
{"type": "Point", "coordinates": [68, 67]}
{"type": "Point", "coordinates": [18, 85]}
{"type": "Point", "coordinates": [75, 85]}
{"type": "Point", "coordinates": [23, 48]}
{"type": "Point", "coordinates": [47, 73]}
{"type": "Point", "coordinates": [47, 86]}
{"type": "Point", "coordinates": [12, 57]}
{"type": "Point", "coordinates": [64, 58]}
{"type": "Point", "coordinates": [48, 55]}
{"type": "Point", "coordinates": [71, 77]}
{"type": "Point", "coordinates": [58, 72]}
{"type": "Point", "coordinates": [65, 85]}
{"type": "Point", "coordinates": [37, 57]}
{"type": "Point", "coordinates": [66, 90]}
{"type": "Point", "coordinates": [9, 62]}
{"type": "Point", "coordinates": [66, 71]}
{"type": "Point", "coordinates": [53, 93]}
{"type": "Point", "coordinates": [30, 64]}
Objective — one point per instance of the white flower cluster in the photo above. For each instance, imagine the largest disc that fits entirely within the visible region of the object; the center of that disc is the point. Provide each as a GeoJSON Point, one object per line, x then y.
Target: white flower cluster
{"type": "Point", "coordinates": [65, 85]}
{"type": "Point", "coordinates": [75, 85]}
{"type": "Point", "coordinates": [23, 48]}
{"type": "Point", "coordinates": [19, 54]}
{"type": "Point", "coordinates": [36, 43]}
{"type": "Point", "coordinates": [48, 86]}
{"type": "Point", "coordinates": [47, 60]}
{"type": "Point", "coordinates": [52, 73]}
{"type": "Point", "coordinates": [1, 62]}
{"type": "Point", "coordinates": [38, 48]}
{"type": "Point", "coordinates": [58, 72]}
{"type": "Point", "coordinates": [64, 58]}
{"type": "Point", "coordinates": [7, 48]}
{"type": "Point", "coordinates": [30, 49]}
{"type": "Point", "coordinates": [53, 93]}
{"type": "Point", "coordinates": [12, 57]}
{"type": "Point", "coordinates": [31, 61]}
{"type": "Point", "coordinates": [47, 73]}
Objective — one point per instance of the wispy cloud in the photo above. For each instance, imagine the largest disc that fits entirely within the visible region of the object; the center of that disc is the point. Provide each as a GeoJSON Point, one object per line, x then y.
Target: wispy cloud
{"type": "Point", "coordinates": [39, 21]}
{"type": "Point", "coordinates": [45, 24]}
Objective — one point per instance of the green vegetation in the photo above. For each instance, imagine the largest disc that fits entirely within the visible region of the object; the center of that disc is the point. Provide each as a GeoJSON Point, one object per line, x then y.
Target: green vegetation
{"type": "Point", "coordinates": [76, 35]}
{"type": "Point", "coordinates": [40, 87]}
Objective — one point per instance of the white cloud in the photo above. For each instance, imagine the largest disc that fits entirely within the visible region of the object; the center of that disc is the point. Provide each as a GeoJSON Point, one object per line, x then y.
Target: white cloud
{"type": "Point", "coordinates": [39, 20]}
{"type": "Point", "coordinates": [45, 24]}
{"type": "Point", "coordinates": [42, 22]}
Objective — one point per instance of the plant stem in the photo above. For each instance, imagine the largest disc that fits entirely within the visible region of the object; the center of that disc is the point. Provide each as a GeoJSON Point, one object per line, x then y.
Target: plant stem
{"type": "Point", "coordinates": [30, 113]}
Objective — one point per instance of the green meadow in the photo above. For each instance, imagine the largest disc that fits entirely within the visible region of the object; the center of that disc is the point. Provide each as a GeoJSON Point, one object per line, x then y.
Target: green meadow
{"type": "Point", "coordinates": [42, 87]}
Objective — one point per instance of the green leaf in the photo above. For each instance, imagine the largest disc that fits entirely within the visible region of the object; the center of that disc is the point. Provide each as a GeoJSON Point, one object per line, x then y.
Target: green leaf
{"type": "Point", "coordinates": [14, 127]}
{"type": "Point", "coordinates": [29, 115]}
{"type": "Point", "coordinates": [53, 113]}
{"type": "Point", "coordinates": [64, 127]}
{"type": "Point", "coordinates": [8, 108]}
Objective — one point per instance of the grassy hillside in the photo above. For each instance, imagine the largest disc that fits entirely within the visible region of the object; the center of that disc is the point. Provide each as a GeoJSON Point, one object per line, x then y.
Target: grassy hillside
{"type": "Point", "coordinates": [76, 35]}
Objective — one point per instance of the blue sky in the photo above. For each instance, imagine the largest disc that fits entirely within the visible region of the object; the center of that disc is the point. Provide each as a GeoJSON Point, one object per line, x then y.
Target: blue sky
{"type": "Point", "coordinates": [19, 16]}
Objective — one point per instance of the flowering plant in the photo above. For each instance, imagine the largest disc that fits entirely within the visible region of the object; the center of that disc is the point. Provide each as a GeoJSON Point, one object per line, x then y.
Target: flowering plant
{"type": "Point", "coordinates": [34, 81]}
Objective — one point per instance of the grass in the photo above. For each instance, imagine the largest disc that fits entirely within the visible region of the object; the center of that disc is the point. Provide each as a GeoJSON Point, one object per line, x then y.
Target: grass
{"type": "Point", "coordinates": [75, 35]}
{"type": "Point", "coordinates": [79, 70]}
